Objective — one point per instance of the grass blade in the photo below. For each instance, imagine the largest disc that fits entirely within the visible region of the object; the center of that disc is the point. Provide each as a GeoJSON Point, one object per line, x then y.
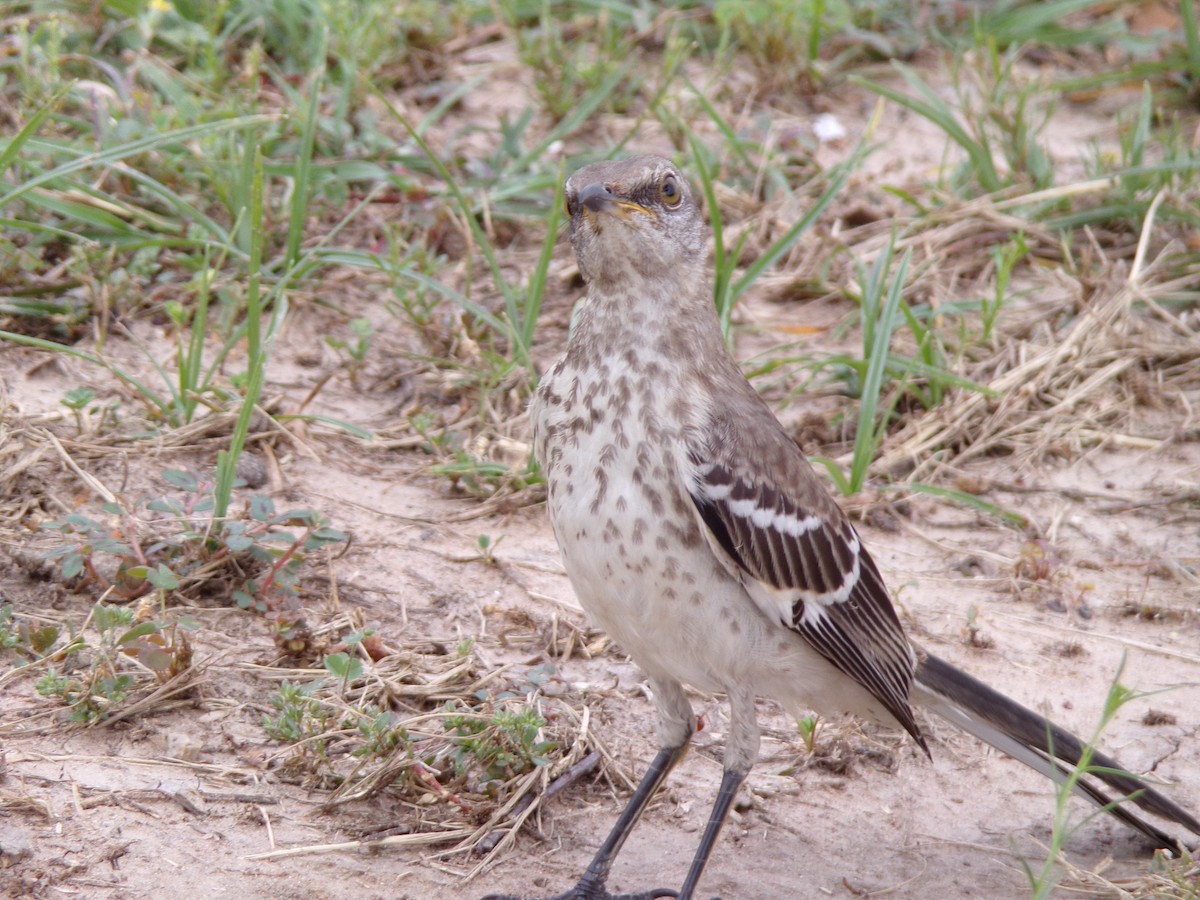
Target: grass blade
{"type": "Point", "coordinates": [133, 148]}
{"type": "Point", "coordinates": [14, 144]}
{"type": "Point", "coordinates": [301, 190]}
{"type": "Point", "coordinates": [255, 353]}
{"type": "Point", "coordinates": [930, 106]}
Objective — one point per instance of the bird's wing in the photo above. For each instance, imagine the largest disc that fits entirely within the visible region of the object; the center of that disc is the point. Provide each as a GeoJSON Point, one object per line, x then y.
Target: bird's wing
{"type": "Point", "coordinates": [802, 562]}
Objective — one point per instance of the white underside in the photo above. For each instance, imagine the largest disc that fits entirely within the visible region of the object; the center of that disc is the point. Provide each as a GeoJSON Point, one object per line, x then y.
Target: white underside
{"type": "Point", "coordinates": [722, 644]}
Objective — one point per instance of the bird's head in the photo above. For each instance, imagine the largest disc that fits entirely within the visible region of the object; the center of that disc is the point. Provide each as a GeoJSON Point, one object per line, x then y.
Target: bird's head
{"type": "Point", "coordinates": [634, 220]}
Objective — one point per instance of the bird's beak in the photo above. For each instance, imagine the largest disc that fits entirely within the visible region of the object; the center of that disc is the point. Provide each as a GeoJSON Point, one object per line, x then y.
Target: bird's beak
{"type": "Point", "coordinates": [596, 200]}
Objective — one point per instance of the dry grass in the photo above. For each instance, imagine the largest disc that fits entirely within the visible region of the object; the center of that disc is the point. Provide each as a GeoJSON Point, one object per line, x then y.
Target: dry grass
{"type": "Point", "coordinates": [1066, 382]}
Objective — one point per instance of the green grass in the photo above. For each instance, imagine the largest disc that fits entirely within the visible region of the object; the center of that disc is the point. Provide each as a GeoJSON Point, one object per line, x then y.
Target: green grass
{"type": "Point", "coordinates": [521, 306]}
{"type": "Point", "coordinates": [730, 285]}
{"type": "Point", "coordinates": [229, 168]}
{"type": "Point", "coordinates": [1044, 880]}
{"type": "Point", "coordinates": [881, 314]}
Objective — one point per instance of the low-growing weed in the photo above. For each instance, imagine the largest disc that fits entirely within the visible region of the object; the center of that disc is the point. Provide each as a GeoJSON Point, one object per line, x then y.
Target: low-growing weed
{"type": "Point", "coordinates": [173, 545]}
{"type": "Point", "coordinates": [353, 350]}
{"type": "Point", "coordinates": [94, 677]}
{"type": "Point", "coordinates": [496, 739]}
{"type": "Point", "coordinates": [1043, 880]}
{"type": "Point", "coordinates": [348, 729]}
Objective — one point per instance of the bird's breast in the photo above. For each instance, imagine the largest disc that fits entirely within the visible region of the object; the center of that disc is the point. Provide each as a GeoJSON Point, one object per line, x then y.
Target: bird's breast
{"type": "Point", "coordinates": [611, 446]}
{"type": "Point", "coordinates": [610, 450]}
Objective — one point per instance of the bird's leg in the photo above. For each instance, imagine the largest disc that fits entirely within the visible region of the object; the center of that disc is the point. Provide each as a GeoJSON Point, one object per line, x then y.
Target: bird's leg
{"type": "Point", "coordinates": [731, 780]}
{"type": "Point", "coordinates": [591, 885]}
{"type": "Point", "coordinates": [676, 724]}
{"type": "Point", "coordinates": [664, 762]}
{"type": "Point", "coordinates": [741, 750]}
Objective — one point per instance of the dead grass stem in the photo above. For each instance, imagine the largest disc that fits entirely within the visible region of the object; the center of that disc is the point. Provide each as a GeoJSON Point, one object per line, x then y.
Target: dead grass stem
{"type": "Point", "coordinates": [1060, 388]}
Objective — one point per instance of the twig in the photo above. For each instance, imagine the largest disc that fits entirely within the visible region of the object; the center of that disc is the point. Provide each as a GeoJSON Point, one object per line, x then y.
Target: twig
{"type": "Point", "coordinates": [91, 481]}
{"type": "Point", "coordinates": [399, 840]}
{"type": "Point", "coordinates": [573, 774]}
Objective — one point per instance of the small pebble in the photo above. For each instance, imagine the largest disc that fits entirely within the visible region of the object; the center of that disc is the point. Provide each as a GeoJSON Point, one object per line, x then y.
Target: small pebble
{"type": "Point", "coordinates": [252, 470]}
{"type": "Point", "coordinates": [183, 746]}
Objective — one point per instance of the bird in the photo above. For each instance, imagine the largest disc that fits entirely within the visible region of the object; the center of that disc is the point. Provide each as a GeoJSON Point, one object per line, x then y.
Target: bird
{"type": "Point", "coordinates": [696, 533]}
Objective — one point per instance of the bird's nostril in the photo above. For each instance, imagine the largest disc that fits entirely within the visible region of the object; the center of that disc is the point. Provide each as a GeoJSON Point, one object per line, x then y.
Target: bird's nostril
{"type": "Point", "coordinates": [595, 197]}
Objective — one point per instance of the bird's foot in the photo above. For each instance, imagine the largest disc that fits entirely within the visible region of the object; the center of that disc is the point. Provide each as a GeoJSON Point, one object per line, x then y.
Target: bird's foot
{"type": "Point", "coordinates": [595, 890]}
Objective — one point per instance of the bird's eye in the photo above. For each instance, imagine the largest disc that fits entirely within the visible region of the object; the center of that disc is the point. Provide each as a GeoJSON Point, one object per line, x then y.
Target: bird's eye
{"type": "Point", "coordinates": [669, 191]}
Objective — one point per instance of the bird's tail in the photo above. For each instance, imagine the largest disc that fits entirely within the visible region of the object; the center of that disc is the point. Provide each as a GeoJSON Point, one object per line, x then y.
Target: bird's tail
{"type": "Point", "coordinates": [1036, 741]}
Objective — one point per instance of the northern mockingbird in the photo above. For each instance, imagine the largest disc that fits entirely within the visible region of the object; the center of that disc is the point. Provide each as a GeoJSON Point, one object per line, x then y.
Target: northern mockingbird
{"type": "Point", "coordinates": [696, 533]}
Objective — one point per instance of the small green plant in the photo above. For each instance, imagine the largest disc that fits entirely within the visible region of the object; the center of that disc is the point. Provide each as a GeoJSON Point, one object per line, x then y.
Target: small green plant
{"type": "Point", "coordinates": [880, 316]}
{"type": "Point", "coordinates": [573, 64]}
{"type": "Point", "coordinates": [1156, 163]}
{"type": "Point", "coordinates": [281, 542]}
{"type": "Point", "coordinates": [782, 37]}
{"type": "Point", "coordinates": [1174, 877]}
{"type": "Point", "coordinates": [499, 734]}
{"type": "Point", "coordinates": [354, 350]}
{"type": "Point", "coordinates": [23, 639]}
{"type": "Point", "coordinates": [84, 538]}
{"type": "Point", "coordinates": [485, 478]}
{"type": "Point", "coordinates": [345, 668]}
{"type": "Point", "coordinates": [172, 544]}
{"type": "Point", "coordinates": [803, 43]}
{"type": "Point", "coordinates": [380, 733]}
{"type": "Point", "coordinates": [413, 303]}
{"type": "Point", "coordinates": [808, 726]}
{"type": "Point", "coordinates": [301, 716]}
{"type": "Point", "coordinates": [728, 285]}
{"type": "Point", "coordinates": [995, 120]}
{"type": "Point", "coordinates": [883, 380]}
{"type": "Point", "coordinates": [972, 631]}
{"type": "Point", "coordinates": [487, 548]}
{"type": "Point", "coordinates": [89, 700]}
{"type": "Point", "coordinates": [92, 679]}
{"type": "Point", "coordinates": [498, 737]}
{"type": "Point", "coordinates": [474, 742]}
{"type": "Point", "coordinates": [1043, 881]}
{"type": "Point", "coordinates": [1005, 258]}
{"type": "Point", "coordinates": [514, 329]}
{"type": "Point", "coordinates": [307, 716]}
{"type": "Point", "coordinates": [77, 400]}
{"type": "Point", "coordinates": [10, 636]}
